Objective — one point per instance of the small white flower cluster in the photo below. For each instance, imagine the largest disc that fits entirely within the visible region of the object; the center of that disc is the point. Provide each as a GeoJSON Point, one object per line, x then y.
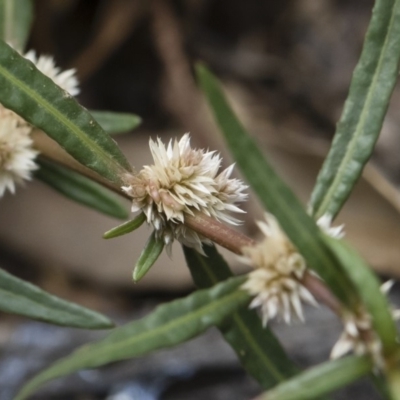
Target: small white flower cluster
{"type": "Point", "coordinates": [181, 181]}
{"type": "Point", "coordinates": [47, 66]}
{"type": "Point", "coordinates": [17, 155]}
{"type": "Point", "coordinates": [276, 281]}
{"type": "Point", "coordinates": [358, 335]}
{"type": "Point", "coordinates": [325, 222]}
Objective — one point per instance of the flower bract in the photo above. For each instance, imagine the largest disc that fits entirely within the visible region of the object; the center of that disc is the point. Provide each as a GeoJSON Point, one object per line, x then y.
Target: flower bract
{"type": "Point", "coordinates": [16, 154]}
{"type": "Point", "coordinates": [183, 181]}
{"type": "Point", "coordinates": [276, 281]}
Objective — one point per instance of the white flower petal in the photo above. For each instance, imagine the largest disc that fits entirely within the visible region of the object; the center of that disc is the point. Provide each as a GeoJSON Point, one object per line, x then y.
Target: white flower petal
{"type": "Point", "coordinates": [181, 181]}
{"type": "Point", "coordinates": [46, 64]}
{"type": "Point", "coordinates": [325, 222]}
{"type": "Point", "coordinates": [16, 154]}
{"type": "Point", "coordinates": [276, 280]}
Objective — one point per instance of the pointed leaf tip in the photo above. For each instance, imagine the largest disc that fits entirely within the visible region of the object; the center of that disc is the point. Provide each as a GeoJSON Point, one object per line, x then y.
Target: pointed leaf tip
{"type": "Point", "coordinates": [148, 257]}
{"type": "Point", "coordinates": [126, 227]}
{"type": "Point", "coordinates": [34, 96]}
{"type": "Point", "coordinates": [169, 325]}
{"type": "Point", "coordinates": [23, 298]}
{"type": "Point", "coordinates": [116, 122]}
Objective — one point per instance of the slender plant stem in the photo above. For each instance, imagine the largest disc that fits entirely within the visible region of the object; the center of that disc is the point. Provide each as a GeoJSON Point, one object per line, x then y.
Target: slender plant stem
{"type": "Point", "coordinates": [208, 227]}
{"type": "Point", "coordinates": [52, 151]}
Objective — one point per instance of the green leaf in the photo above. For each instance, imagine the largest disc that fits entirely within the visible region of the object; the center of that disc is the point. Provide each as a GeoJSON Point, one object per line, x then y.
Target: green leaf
{"type": "Point", "coordinates": [320, 380]}
{"type": "Point", "coordinates": [41, 102]}
{"type": "Point", "coordinates": [369, 289]}
{"type": "Point", "coordinates": [275, 194]}
{"type": "Point", "coordinates": [149, 255]}
{"type": "Point", "coordinates": [360, 124]}
{"type": "Point", "coordinates": [126, 227]}
{"type": "Point", "coordinates": [393, 378]}
{"type": "Point", "coordinates": [15, 22]}
{"type": "Point", "coordinates": [257, 348]}
{"type": "Point", "coordinates": [116, 122]}
{"type": "Point", "coordinates": [167, 326]}
{"type": "Point", "coordinates": [80, 189]}
{"type": "Point", "coordinates": [23, 298]}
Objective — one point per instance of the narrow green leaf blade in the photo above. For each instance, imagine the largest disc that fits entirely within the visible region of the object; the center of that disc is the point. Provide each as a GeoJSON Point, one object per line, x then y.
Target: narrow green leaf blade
{"type": "Point", "coordinates": [41, 102]}
{"type": "Point", "coordinates": [15, 22]}
{"type": "Point", "coordinates": [369, 289]}
{"type": "Point", "coordinates": [80, 189]}
{"type": "Point", "coordinates": [321, 380]}
{"type": "Point", "coordinates": [274, 193]}
{"type": "Point", "coordinates": [126, 227]}
{"type": "Point", "coordinates": [393, 380]}
{"type": "Point", "coordinates": [23, 298]}
{"type": "Point", "coordinates": [360, 124]}
{"type": "Point", "coordinates": [148, 257]}
{"type": "Point", "coordinates": [257, 348]}
{"type": "Point", "coordinates": [167, 326]}
{"type": "Point", "coordinates": [116, 122]}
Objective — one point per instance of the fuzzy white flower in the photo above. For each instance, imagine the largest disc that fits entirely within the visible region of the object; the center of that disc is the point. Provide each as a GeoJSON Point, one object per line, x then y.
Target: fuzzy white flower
{"type": "Point", "coordinates": [279, 267]}
{"type": "Point", "coordinates": [181, 181]}
{"type": "Point", "coordinates": [16, 154]}
{"type": "Point", "coordinates": [47, 66]}
{"type": "Point", "coordinates": [351, 338]}
{"type": "Point", "coordinates": [358, 335]}
{"type": "Point", "coordinates": [325, 222]}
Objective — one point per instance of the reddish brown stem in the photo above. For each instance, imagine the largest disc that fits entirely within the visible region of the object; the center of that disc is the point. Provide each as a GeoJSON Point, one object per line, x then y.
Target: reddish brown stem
{"type": "Point", "coordinates": [218, 232]}
{"type": "Point", "coordinates": [51, 150]}
{"type": "Point", "coordinates": [206, 226]}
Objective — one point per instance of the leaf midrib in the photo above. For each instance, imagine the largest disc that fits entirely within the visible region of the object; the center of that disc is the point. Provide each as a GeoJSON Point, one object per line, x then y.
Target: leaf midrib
{"type": "Point", "coordinates": [183, 320]}
{"type": "Point", "coordinates": [244, 331]}
{"type": "Point", "coordinates": [64, 366]}
{"type": "Point", "coordinates": [353, 142]}
{"type": "Point", "coordinates": [91, 144]}
{"type": "Point", "coordinates": [289, 214]}
{"type": "Point", "coordinates": [64, 312]}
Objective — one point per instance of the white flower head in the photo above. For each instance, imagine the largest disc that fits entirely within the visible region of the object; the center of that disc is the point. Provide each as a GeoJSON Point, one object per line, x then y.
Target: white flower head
{"type": "Point", "coordinates": [358, 335]}
{"type": "Point", "coordinates": [325, 222]}
{"type": "Point", "coordinates": [181, 181]}
{"type": "Point", "coordinates": [279, 267]}
{"type": "Point", "coordinates": [16, 154]}
{"type": "Point", "coordinates": [47, 66]}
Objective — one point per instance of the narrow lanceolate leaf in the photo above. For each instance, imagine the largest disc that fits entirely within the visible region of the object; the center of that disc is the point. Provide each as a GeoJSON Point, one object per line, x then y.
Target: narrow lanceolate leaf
{"type": "Point", "coordinates": [116, 122]}
{"type": "Point", "coordinates": [167, 326]}
{"type": "Point", "coordinates": [41, 102]}
{"type": "Point", "coordinates": [320, 380]}
{"type": "Point", "coordinates": [81, 189]}
{"type": "Point", "coordinates": [257, 348]}
{"type": "Point", "coordinates": [274, 193]}
{"type": "Point", "coordinates": [23, 298]}
{"type": "Point", "coordinates": [360, 124]}
{"type": "Point", "coordinates": [126, 227]}
{"type": "Point", "coordinates": [393, 380]}
{"type": "Point", "coordinates": [369, 289]}
{"type": "Point", "coordinates": [15, 22]}
{"type": "Point", "coordinates": [148, 257]}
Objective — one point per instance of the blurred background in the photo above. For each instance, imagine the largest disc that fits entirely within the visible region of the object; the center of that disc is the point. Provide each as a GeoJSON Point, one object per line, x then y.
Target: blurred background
{"type": "Point", "coordinates": [286, 66]}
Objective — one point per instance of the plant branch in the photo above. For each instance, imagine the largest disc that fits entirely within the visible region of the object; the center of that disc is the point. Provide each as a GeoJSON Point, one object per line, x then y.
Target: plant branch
{"type": "Point", "coordinates": [52, 151]}
{"type": "Point", "coordinates": [208, 227]}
